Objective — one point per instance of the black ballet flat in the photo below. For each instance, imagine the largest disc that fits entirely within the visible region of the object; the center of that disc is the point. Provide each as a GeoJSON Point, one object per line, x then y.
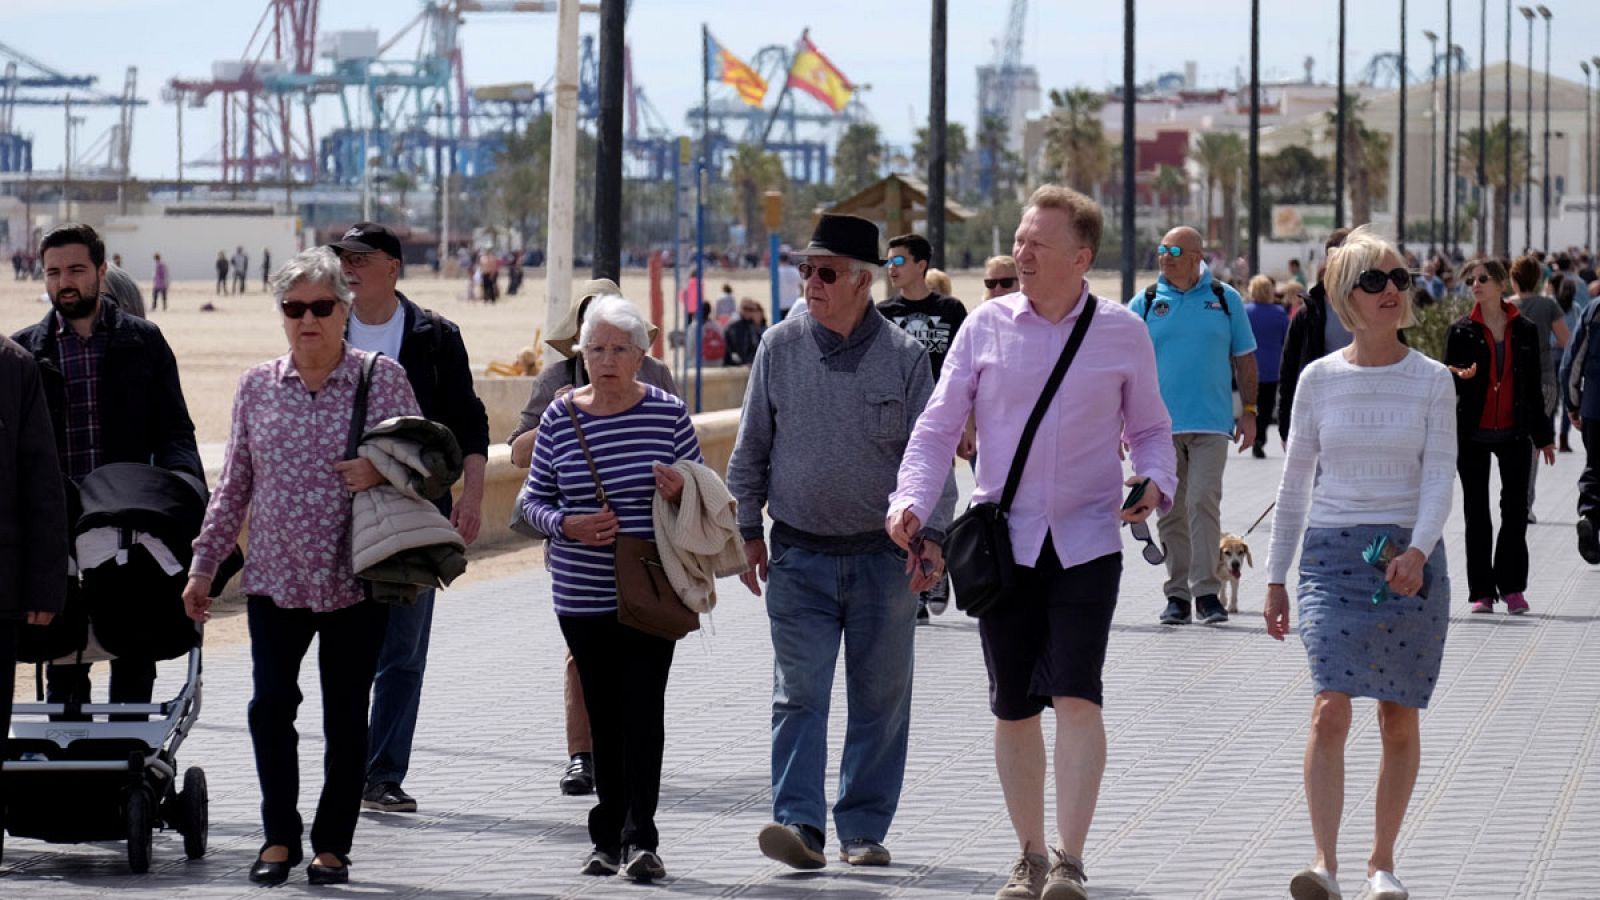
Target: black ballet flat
{"type": "Point", "coordinates": [322, 875]}
{"type": "Point", "coordinates": [270, 873]}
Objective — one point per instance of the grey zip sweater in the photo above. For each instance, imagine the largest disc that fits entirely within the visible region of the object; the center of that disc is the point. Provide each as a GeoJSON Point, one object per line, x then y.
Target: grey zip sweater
{"type": "Point", "coordinates": [825, 423]}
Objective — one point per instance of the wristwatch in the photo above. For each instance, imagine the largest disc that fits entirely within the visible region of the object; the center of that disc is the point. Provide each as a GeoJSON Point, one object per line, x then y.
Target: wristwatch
{"type": "Point", "coordinates": [1250, 408]}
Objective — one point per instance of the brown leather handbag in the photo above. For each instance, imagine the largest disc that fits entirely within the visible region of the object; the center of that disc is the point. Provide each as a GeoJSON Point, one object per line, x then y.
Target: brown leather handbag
{"type": "Point", "coordinates": [646, 600]}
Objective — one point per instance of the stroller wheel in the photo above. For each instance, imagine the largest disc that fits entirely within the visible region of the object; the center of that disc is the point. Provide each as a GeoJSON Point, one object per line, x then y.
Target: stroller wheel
{"type": "Point", "coordinates": [140, 830]}
{"type": "Point", "coordinates": [194, 802]}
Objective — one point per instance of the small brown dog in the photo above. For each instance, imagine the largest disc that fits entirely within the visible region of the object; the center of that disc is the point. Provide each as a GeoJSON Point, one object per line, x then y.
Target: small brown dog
{"type": "Point", "coordinates": [1232, 555]}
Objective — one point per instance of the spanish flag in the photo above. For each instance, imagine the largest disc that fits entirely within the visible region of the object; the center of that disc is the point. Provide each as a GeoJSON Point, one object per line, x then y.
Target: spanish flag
{"type": "Point", "coordinates": [816, 75]}
{"type": "Point", "coordinates": [723, 66]}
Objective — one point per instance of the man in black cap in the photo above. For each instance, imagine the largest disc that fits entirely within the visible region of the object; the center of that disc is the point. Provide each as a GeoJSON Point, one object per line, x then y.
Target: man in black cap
{"type": "Point", "coordinates": [430, 348]}
{"type": "Point", "coordinates": [832, 399]}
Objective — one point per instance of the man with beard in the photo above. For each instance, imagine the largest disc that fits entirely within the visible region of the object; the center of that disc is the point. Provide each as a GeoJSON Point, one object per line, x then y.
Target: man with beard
{"type": "Point", "coordinates": [111, 385]}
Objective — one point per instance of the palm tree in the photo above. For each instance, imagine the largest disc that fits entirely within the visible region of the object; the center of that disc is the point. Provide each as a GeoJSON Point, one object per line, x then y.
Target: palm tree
{"type": "Point", "coordinates": [1495, 167]}
{"type": "Point", "coordinates": [955, 151]}
{"type": "Point", "coordinates": [1075, 143]}
{"type": "Point", "coordinates": [857, 157]}
{"type": "Point", "coordinates": [1171, 187]}
{"type": "Point", "coordinates": [752, 171]}
{"type": "Point", "coordinates": [1223, 156]}
{"type": "Point", "coordinates": [1367, 160]}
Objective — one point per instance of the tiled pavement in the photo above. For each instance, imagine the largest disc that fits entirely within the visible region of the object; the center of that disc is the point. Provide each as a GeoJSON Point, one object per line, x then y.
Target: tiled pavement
{"type": "Point", "coordinates": [1202, 798]}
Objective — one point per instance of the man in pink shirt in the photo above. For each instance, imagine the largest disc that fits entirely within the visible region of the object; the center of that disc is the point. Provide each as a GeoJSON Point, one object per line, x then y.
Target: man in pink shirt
{"type": "Point", "coordinates": [1045, 644]}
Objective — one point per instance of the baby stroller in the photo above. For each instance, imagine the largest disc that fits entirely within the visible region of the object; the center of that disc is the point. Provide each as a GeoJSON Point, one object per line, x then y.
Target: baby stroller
{"type": "Point", "coordinates": [75, 771]}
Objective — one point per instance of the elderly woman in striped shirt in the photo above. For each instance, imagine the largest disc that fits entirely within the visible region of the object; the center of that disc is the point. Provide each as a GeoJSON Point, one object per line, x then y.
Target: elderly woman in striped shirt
{"type": "Point", "coordinates": [635, 433]}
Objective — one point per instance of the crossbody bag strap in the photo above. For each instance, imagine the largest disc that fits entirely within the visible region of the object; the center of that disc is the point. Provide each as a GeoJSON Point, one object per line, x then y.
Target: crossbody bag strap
{"type": "Point", "coordinates": [1075, 340]}
{"type": "Point", "coordinates": [358, 410]}
{"type": "Point", "coordinates": [583, 444]}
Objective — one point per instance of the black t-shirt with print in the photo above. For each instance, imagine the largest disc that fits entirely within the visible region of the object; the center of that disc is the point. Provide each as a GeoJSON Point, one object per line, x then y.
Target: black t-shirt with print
{"type": "Point", "coordinates": [933, 321]}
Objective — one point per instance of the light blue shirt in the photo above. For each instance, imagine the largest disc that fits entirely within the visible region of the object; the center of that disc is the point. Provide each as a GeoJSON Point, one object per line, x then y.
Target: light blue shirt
{"type": "Point", "coordinates": [1195, 343]}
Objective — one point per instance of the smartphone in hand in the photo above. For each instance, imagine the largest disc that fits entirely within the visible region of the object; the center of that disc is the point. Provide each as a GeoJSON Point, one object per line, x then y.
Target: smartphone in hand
{"type": "Point", "coordinates": [1135, 494]}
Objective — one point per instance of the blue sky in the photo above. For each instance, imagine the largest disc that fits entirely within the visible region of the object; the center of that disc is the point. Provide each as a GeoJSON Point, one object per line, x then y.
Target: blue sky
{"type": "Point", "coordinates": [876, 42]}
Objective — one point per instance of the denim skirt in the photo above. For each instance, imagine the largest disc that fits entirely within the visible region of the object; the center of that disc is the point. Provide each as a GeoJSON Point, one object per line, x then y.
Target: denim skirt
{"type": "Point", "coordinates": [1390, 649]}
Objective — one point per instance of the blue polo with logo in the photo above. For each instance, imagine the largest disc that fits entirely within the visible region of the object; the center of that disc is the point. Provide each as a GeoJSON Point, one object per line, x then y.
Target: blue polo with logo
{"type": "Point", "coordinates": [1195, 343]}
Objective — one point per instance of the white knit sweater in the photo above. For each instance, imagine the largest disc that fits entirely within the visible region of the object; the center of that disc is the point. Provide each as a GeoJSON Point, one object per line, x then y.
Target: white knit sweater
{"type": "Point", "coordinates": [1368, 445]}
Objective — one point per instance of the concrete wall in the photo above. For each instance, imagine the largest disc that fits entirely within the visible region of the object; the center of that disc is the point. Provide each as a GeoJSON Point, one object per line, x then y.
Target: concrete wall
{"type": "Point", "coordinates": [189, 244]}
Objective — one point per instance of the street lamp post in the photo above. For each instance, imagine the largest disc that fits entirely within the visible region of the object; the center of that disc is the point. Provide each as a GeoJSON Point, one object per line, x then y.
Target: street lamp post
{"type": "Point", "coordinates": [1588, 173]}
{"type": "Point", "coordinates": [1504, 241]}
{"type": "Point", "coordinates": [1590, 152]}
{"type": "Point", "coordinates": [1456, 52]}
{"type": "Point", "coordinates": [1339, 126]}
{"type": "Point", "coordinates": [1527, 170]}
{"type": "Point", "coordinates": [1483, 126]}
{"type": "Point", "coordinates": [1544, 168]}
{"type": "Point", "coordinates": [1255, 136]}
{"type": "Point", "coordinates": [1447, 186]}
{"type": "Point", "coordinates": [1404, 126]}
{"type": "Point", "coordinates": [1433, 142]}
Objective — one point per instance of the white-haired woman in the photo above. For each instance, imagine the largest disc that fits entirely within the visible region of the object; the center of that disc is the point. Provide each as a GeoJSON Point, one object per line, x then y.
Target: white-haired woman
{"type": "Point", "coordinates": [285, 471]}
{"type": "Point", "coordinates": [1370, 468]}
{"type": "Point", "coordinates": [635, 432]}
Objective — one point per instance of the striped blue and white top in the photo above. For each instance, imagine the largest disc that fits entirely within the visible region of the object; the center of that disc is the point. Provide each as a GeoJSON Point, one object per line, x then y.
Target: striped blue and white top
{"type": "Point", "coordinates": [625, 447]}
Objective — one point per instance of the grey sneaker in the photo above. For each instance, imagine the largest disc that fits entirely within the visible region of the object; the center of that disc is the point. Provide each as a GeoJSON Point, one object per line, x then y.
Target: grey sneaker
{"type": "Point", "coordinates": [796, 846]}
{"type": "Point", "coordinates": [1066, 878]}
{"type": "Point", "coordinates": [864, 852]}
{"type": "Point", "coordinates": [645, 865]}
{"type": "Point", "coordinates": [600, 862]}
{"type": "Point", "coordinates": [1027, 878]}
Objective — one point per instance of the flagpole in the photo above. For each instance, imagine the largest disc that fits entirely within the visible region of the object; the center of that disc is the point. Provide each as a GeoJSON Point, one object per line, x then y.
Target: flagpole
{"type": "Point", "coordinates": [781, 94]}
{"type": "Point", "coordinates": [700, 213]}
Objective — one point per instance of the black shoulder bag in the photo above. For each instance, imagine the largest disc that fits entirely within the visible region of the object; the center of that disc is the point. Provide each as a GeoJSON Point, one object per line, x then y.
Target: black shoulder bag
{"type": "Point", "coordinates": [978, 546]}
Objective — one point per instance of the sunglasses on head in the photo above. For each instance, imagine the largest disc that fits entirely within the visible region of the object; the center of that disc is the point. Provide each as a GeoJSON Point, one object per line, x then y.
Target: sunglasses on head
{"type": "Point", "coordinates": [1373, 280]}
{"type": "Point", "coordinates": [828, 274]}
{"type": "Point", "coordinates": [1007, 283]}
{"type": "Point", "coordinates": [296, 309]}
{"type": "Point", "coordinates": [1171, 250]}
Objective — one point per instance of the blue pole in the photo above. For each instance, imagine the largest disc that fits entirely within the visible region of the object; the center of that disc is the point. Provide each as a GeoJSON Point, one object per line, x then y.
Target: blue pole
{"type": "Point", "coordinates": [700, 212]}
{"type": "Point", "coordinates": [677, 257]}
{"type": "Point", "coordinates": [772, 259]}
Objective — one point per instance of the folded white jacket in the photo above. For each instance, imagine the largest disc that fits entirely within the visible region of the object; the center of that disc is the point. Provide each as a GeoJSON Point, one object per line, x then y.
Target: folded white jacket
{"type": "Point", "coordinates": [393, 517]}
{"type": "Point", "coordinates": [699, 536]}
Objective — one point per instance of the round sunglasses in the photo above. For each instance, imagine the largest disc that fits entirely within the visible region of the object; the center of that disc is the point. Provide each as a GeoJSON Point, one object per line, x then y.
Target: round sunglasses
{"type": "Point", "coordinates": [1373, 280]}
{"type": "Point", "coordinates": [992, 283]}
{"type": "Point", "coordinates": [296, 309]}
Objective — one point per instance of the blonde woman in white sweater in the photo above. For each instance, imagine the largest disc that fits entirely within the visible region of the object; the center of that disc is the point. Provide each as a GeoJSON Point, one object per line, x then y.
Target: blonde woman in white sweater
{"type": "Point", "coordinates": [1370, 468]}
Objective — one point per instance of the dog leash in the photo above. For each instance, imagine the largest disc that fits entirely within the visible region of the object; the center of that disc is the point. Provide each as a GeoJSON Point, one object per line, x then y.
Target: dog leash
{"type": "Point", "coordinates": [1261, 517]}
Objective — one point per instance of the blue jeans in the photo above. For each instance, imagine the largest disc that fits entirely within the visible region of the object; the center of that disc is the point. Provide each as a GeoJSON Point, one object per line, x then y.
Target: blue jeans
{"type": "Point", "coordinates": [814, 599]}
{"type": "Point", "coordinates": [397, 690]}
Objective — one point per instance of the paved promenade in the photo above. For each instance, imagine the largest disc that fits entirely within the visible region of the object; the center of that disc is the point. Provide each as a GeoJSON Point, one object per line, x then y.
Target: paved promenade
{"type": "Point", "coordinates": [1202, 797]}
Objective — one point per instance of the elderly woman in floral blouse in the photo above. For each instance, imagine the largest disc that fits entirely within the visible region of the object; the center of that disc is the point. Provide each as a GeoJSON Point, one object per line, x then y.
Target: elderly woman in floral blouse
{"type": "Point", "coordinates": [285, 472]}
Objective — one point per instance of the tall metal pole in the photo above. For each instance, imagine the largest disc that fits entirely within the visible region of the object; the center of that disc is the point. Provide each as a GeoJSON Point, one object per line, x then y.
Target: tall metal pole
{"type": "Point", "coordinates": [1130, 148]}
{"type": "Point", "coordinates": [438, 186]}
{"type": "Point", "coordinates": [1448, 187]}
{"type": "Point", "coordinates": [1594, 153]}
{"type": "Point", "coordinates": [936, 132]}
{"type": "Point", "coordinates": [1402, 126]}
{"type": "Point", "coordinates": [1255, 136]}
{"type": "Point", "coordinates": [366, 152]}
{"type": "Point", "coordinates": [1544, 168]}
{"type": "Point", "coordinates": [1504, 241]}
{"type": "Point", "coordinates": [1483, 127]}
{"type": "Point", "coordinates": [1527, 170]}
{"type": "Point", "coordinates": [1588, 173]}
{"type": "Point", "coordinates": [702, 182]}
{"type": "Point", "coordinates": [608, 168]}
{"type": "Point", "coordinates": [561, 206]}
{"type": "Point", "coordinates": [1433, 142]}
{"type": "Point", "coordinates": [1457, 52]}
{"type": "Point", "coordinates": [180, 146]}
{"type": "Point", "coordinates": [1338, 150]}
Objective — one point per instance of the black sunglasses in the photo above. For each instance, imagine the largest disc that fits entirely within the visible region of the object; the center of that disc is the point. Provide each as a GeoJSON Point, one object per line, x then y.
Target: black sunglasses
{"type": "Point", "coordinates": [828, 274]}
{"type": "Point", "coordinates": [1478, 279]}
{"type": "Point", "coordinates": [992, 283]}
{"type": "Point", "coordinates": [1153, 554]}
{"type": "Point", "coordinates": [296, 309]}
{"type": "Point", "coordinates": [1373, 280]}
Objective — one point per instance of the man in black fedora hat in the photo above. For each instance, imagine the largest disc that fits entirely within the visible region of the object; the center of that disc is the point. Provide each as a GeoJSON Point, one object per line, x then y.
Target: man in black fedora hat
{"type": "Point", "coordinates": [430, 348]}
{"type": "Point", "coordinates": [831, 402]}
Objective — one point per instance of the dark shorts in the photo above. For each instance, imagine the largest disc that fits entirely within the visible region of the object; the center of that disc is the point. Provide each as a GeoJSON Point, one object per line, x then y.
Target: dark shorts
{"type": "Point", "coordinates": [1049, 638]}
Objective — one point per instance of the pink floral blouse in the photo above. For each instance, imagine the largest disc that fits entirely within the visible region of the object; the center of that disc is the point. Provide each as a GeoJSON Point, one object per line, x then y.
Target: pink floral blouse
{"type": "Point", "coordinates": [279, 473]}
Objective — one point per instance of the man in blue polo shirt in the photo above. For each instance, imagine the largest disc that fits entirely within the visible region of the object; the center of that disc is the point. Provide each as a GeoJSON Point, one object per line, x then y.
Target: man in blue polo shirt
{"type": "Point", "coordinates": [1203, 343]}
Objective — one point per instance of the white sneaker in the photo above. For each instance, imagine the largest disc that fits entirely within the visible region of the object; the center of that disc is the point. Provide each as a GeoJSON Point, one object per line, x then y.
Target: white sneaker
{"type": "Point", "coordinates": [1314, 884]}
{"type": "Point", "coordinates": [1385, 886]}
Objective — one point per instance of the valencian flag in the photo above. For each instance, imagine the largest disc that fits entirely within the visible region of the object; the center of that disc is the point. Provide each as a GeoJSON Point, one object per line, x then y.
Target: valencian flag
{"type": "Point", "coordinates": [816, 75]}
{"type": "Point", "coordinates": [723, 66]}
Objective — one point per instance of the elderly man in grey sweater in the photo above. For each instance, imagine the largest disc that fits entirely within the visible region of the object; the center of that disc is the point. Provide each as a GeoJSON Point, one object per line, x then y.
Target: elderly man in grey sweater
{"type": "Point", "coordinates": [832, 399]}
